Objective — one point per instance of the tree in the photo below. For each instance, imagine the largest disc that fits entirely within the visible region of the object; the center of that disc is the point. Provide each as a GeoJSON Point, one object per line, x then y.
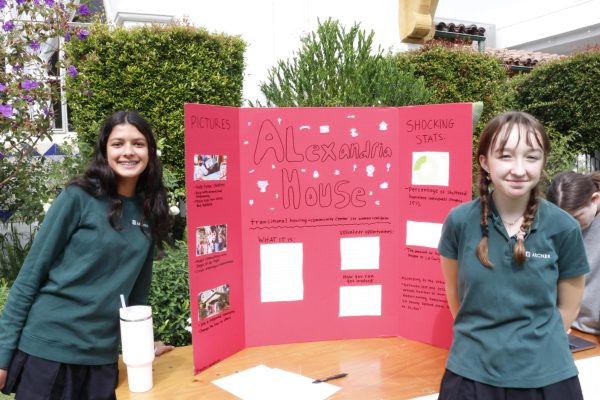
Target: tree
{"type": "Point", "coordinates": [30, 33]}
{"type": "Point", "coordinates": [335, 67]}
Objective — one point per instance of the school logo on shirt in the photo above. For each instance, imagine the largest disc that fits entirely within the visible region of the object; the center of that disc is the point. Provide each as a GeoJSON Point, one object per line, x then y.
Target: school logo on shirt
{"type": "Point", "coordinates": [533, 254]}
{"type": "Point", "coordinates": [138, 223]}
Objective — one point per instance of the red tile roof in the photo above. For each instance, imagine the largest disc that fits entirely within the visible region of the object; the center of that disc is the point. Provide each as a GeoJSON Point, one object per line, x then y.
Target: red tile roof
{"type": "Point", "coordinates": [523, 57]}
{"type": "Point", "coordinates": [517, 58]}
{"type": "Point", "coordinates": [471, 29]}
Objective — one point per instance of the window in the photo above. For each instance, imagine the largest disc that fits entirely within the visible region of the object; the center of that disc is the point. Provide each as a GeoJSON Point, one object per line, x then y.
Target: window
{"type": "Point", "coordinates": [59, 105]}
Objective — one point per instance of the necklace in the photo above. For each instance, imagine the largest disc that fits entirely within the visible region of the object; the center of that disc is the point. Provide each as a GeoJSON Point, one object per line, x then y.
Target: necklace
{"type": "Point", "coordinates": [512, 223]}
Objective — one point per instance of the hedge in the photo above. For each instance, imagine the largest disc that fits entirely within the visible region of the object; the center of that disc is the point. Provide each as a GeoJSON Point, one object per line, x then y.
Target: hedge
{"type": "Point", "coordinates": [4, 288]}
{"type": "Point", "coordinates": [458, 74]}
{"type": "Point", "coordinates": [565, 96]}
{"type": "Point", "coordinates": [155, 70]}
{"type": "Point", "coordinates": [170, 296]}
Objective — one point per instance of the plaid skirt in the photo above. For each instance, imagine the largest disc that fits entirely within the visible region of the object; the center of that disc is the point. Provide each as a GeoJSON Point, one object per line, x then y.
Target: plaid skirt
{"type": "Point", "coordinates": [456, 387]}
{"type": "Point", "coordinates": [34, 378]}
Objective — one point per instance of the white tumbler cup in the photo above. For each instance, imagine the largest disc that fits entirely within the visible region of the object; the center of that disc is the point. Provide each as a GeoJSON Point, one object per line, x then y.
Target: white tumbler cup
{"type": "Point", "coordinates": [137, 345]}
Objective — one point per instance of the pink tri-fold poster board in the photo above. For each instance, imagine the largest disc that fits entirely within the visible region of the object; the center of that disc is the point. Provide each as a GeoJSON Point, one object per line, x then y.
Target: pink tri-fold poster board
{"type": "Point", "coordinates": [309, 224]}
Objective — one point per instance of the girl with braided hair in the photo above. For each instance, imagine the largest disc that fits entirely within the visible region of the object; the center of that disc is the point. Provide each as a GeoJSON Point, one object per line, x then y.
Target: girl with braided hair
{"type": "Point", "coordinates": [514, 266]}
{"type": "Point", "coordinates": [579, 195]}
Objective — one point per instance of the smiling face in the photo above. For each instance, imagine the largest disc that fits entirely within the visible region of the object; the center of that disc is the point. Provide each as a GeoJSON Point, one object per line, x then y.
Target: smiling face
{"type": "Point", "coordinates": [515, 168]}
{"type": "Point", "coordinates": [127, 156]}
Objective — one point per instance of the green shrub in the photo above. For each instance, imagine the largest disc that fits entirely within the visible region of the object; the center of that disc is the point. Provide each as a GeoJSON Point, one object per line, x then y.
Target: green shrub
{"type": "Point", "coordinates": [3, 296]}
{"type": "Point", "coordinates": [14, 246]}
{"type": "Point", "coordinates": [170, 297]}
{"type": "Point", "coordinates": [457, 74]}
{"type": "Point", "coordinates": [561, 157]}
{"type": "Point", "coordinates": [154, 70]}
{"type": "Point", "coordinates": [565, 96]}
{"type": "Point", "coordinates": [24, 197]}
{"type": "Point", "coordinates": [335, 67]}
{"type": "Point", "coordinates": [4, 287]}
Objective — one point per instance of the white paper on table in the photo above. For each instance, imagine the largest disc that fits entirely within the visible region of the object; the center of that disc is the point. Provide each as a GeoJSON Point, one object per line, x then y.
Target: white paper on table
{"type": "Point", "coordinates": [360, 253]}
{"type": "Point", "coordinates": [281, 272]}
{"type": "Point", "coordinates": [428, 397]}
{"type": "Point", "coordinates": [588, 377]}
{"type": "Point", "coordinates": [360, 300]}
{"type": "Point", "coordinates": [264, 383]}
{"type": "Point", "coordinates": [426, 234]}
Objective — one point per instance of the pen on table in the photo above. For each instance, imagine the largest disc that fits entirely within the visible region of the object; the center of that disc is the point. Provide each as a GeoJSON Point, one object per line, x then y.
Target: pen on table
{"type": "Point", "coordinates": [329, 378]}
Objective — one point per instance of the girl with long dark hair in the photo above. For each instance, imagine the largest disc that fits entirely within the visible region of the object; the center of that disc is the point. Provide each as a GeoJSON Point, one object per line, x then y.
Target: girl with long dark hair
{"type": "Point", "coordinates": [59, 330]}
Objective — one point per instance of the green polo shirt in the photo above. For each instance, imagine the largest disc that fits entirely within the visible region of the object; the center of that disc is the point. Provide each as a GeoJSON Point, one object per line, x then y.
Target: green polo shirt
{"type": "Point", "coordinates": [508, 331]}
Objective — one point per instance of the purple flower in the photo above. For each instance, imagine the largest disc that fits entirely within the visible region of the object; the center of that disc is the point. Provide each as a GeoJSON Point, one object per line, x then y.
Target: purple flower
{"type": "Point", "coordinates": [28, 85]}
{"type": "Point", "coordinates": [2, 3]}
{"type": "Point", "coordinates": [83, 10]}
{"type": "Point", "coordinates": [49, 3]}
{"type": "Point", "coordinates": [17, 67]}
{"type": "Point", "coordinates": [73, 71]}
{"type": "Point", "coordinates": [20, 1]}
{"type": "Point", "coordinates": [8, 25]}
{"type": "Point", "coordinates": [83, 34]}
{"type": "Point", "coordinates": [89, 93]}
{"type": "Point", "coordinates": [67, 36]}
{"type": "Point", "coordinates": [2, 87]}
{"type": "Point", "coordinates": [34, 45]}
{"type": "Point", "coordinates": [28, 99]}
{"type": "Point", "coordinates": [6, 110]}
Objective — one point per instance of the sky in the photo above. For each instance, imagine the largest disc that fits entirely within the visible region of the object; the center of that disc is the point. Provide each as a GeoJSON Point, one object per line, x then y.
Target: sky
{"type": "Point", "coordinates": [500, 12]}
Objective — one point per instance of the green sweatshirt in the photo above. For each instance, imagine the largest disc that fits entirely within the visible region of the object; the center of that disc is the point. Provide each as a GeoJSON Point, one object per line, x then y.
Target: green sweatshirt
{"type": "Point", "coordinates": [64, 305]}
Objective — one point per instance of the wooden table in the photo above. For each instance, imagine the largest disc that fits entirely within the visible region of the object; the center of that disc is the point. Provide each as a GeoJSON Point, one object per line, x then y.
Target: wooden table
{"type": "Point", "coordinates": [379, 368]}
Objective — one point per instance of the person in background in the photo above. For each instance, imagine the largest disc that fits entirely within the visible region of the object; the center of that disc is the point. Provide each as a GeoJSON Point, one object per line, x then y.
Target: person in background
{"type": "Point", "coordinates": [579, 195]}
{"type": "Point", "coordinates": [514, 266]}
{"type": "Point", "coordinates": [59, 331]}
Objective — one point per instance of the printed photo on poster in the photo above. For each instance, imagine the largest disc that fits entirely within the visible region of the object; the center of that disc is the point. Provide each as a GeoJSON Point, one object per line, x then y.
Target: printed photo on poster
{"type": "Point", "coordinates": [211, 239]}
{"type": "Point", "coordinates": [210, 167]}
{"type": "Point", "coordinates": [212, 302]}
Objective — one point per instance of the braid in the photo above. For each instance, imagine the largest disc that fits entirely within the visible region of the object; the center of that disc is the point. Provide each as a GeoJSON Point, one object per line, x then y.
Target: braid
{"type": "Point", "coordinates": [519, 252]}
{"type": "Point", "coordinates": [494, 138]}
{"type": "Point", "coordinates": [482, 247]}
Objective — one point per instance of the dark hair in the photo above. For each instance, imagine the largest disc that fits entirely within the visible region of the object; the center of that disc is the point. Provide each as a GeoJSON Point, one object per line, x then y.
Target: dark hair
{"type": "Point", "coordinates": [572, 191]}
{"type": "Point", "coordinates": [495, 135]}
{"type": "Point", "coordinates": [100, 180]}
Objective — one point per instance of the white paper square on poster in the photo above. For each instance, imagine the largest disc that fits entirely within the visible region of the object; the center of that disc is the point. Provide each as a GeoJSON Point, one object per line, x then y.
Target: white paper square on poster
{"type": "Point", "coordinates": [426, 234]}
{"type": "Point", "coordinates": [281, 272]}
{"type": "Point", "coordinates": [359, 253]}
{"type": "Point", "coordinates": [360, 300]}
{"type": "Point", "coordinates": [430, 168]}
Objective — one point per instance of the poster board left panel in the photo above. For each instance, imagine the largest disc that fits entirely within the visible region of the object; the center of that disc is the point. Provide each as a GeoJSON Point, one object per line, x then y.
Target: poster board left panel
{"type": "Point", "coordinates": [214, 234]}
